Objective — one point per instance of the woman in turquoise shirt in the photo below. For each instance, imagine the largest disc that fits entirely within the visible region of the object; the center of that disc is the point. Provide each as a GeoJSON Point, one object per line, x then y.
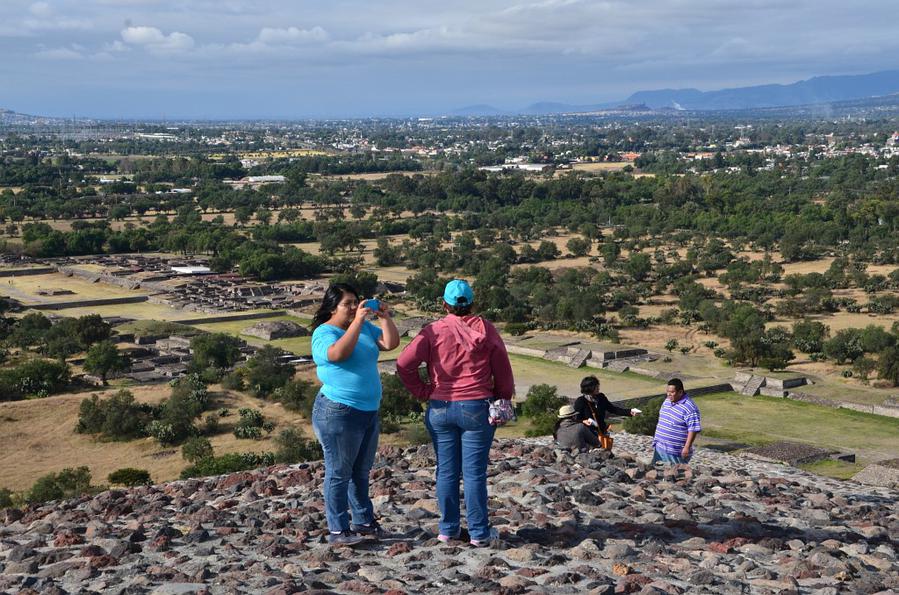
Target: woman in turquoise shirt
{"type": "Point", "coordinates": [345, 348]}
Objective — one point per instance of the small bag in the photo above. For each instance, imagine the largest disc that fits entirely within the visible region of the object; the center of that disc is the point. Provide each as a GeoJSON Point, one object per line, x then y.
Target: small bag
{"type": "Point", "coordinates": [605, 440]}
{"type": "Point", "coordinates": [500, 412]}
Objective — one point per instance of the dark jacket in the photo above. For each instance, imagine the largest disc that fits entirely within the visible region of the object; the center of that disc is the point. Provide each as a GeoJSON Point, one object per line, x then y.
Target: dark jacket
{"type": "Point", "coordinates": [572, 434]}
{"type": "Point", "coordinates": [597, 410]}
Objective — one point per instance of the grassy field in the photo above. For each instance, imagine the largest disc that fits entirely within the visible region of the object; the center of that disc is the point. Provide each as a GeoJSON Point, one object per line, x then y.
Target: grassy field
{"type": "Point", "coordinates": [529, 371]}
{"type": "Point", "coordinates": [38, 437]}
{"type": "Point", "coordinates": [25, 289]}
{"type": "Point", "coordinates": [762, 420]}
{"type": "Point", "coordinates": [297, 345]}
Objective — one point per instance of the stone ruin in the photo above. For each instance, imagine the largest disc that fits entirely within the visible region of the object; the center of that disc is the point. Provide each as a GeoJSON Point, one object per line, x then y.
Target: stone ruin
{"type": "Point", "coordinates": [568, 524]}
{"type": "Point", "coordinates": [275, 329]}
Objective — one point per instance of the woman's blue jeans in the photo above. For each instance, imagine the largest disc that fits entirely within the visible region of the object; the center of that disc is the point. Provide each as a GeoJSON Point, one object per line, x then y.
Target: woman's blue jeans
{"type": "Point", "coordinates": [349, 438]}
{"type": "Point", "coordinates": [462, 438]}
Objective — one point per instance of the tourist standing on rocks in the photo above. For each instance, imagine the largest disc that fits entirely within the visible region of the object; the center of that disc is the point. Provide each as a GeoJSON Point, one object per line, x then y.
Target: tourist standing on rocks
{"type": "Point", "coordinates": [592, 406]}
{"type": "Point", "coordinates": [679, 424]}
{"type": "Point", "coordinates": [345, 347]}
{"type": "Point", "coordinates": [571, 433]}
{"type": "Point", "coordinates": [469, 392]}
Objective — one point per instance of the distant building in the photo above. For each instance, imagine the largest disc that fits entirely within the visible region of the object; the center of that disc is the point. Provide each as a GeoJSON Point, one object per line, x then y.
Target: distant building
{"type": "Point", "coordinates": [192, 270]}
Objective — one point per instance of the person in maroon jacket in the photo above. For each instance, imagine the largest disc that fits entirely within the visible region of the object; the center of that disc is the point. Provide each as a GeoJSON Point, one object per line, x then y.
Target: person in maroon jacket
{"type": "Point", "coordinates": [468, 367]}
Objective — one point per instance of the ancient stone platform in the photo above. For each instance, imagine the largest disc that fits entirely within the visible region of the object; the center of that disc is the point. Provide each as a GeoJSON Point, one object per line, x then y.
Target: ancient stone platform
{"type": "Point", "coordinates": [587, 523]}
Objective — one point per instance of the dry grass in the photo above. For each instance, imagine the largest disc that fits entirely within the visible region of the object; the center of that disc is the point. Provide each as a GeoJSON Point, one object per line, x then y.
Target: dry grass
{"type": "Point", "coordinates": [37, 437]}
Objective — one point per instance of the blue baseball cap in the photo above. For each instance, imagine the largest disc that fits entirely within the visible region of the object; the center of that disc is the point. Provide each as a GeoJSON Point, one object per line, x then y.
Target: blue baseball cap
{"type": "Point", "coordinates": [458, 293]}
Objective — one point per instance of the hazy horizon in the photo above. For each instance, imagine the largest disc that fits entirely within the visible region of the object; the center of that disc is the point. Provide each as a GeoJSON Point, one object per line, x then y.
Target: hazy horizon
{"type": "Point", "coordinates": [241, 59]}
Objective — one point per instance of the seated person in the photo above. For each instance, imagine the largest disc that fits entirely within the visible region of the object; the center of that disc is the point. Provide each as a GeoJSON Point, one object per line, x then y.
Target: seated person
{"type": "Point", "coordinates": [591, 407]}
{"type": "Point", "coordinates": [570, 433]}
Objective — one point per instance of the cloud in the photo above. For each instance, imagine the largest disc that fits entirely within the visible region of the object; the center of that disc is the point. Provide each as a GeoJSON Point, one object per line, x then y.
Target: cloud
{"type": "Point", "coordinates": [60, 54]}
{"type": "Point", "coordinates": [156, 41]}
{"type": "Point", "coordinates": [292, 35]}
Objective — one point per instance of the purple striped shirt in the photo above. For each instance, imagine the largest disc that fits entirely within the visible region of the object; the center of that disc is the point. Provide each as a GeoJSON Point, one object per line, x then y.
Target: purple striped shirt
{"type": "Point", "coordinates": [675, 421]}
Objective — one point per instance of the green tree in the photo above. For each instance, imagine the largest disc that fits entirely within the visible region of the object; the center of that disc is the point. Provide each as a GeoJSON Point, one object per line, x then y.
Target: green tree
{"type": "Point", "coordinates": [809, 335]}
{"type": "Point", "coordinates": [646, 422]}
{"type": "Point", "coordinates": [195, 449]}
{"type": "Point", "coordinates": [266, 371]}
{"type": "Point", "coordinates": [888, 365]}
{"type": "Point", "coordinates": [638, 266]}
{"type": "Point", "coordinates": [293, 447]}
{"type": "Point", "coordinates": [215, 350]}
{"type": "Point", "coordinates": [578, 246]}
{"type": "Point", "coordinates": [130, 477]}
{"type": "Point", "coordinates": [104, 358]}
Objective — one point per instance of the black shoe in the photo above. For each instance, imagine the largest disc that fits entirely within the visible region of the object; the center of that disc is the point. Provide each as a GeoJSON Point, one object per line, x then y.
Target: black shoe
{"type": "Point", "coordinates": [372, 530]}
{"type": "Point", "coordinates": [345, 538]}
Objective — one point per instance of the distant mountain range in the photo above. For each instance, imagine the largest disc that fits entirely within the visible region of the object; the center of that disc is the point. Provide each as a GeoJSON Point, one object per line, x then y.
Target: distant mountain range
{"type": "Point", "coordinates": [816, 90]}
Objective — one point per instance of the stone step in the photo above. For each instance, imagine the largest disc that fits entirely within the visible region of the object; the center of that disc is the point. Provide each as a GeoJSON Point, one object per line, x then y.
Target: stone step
{"type": "Point", "coordinates": [751, 388]}
{"type": "Point", "coordinates": [577, 360]}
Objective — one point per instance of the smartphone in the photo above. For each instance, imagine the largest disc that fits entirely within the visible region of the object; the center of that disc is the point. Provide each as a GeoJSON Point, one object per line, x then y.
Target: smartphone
{"type": "Point", "coordinates": [372, 304]}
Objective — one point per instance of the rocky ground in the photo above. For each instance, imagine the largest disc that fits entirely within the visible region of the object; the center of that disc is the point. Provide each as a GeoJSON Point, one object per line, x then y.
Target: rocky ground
{"type": "Point", "coordinates": [568, 524]}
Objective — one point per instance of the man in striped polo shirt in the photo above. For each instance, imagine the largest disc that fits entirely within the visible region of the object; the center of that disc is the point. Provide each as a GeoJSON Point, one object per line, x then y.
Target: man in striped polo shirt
{"type": "Point", "coordinates": [679, 423]}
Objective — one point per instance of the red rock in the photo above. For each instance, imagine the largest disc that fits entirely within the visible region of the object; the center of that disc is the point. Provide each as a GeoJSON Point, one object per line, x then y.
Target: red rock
{"type": "Point", "coordinates": [399, 548]}
{"type": "Point", "coordinates": [102, 561]}
{"type": "Point", "coordinates": [357, 586]}
{"type": "Point", "coordinates": [236, 478]}
{"type": "Point", "coordinates": [530, 572]}
{"type": "Point", "coordinates": [66, 538]}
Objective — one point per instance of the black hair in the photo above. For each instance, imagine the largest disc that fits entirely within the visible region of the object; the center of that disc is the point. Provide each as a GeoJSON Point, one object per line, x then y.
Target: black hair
{"type": "Point", "coordinates": [460, 309]}
{"type": "Point", "coordinates": [677, 383]}
{"type": "Point", "coordinates": [333, 295]}
{"type": "Point", "coordinates": [589, 384]}
{"type": "Point", "coordinates": [556, 428]}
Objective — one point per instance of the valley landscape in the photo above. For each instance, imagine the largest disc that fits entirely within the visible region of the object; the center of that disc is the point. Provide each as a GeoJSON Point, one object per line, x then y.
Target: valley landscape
{"type": "Point", "coordinates": [737, 228]}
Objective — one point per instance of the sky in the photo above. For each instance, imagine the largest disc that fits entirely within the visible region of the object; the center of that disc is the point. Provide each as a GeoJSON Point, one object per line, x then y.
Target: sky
{"type": "Point", "coordinates": [224, 59]}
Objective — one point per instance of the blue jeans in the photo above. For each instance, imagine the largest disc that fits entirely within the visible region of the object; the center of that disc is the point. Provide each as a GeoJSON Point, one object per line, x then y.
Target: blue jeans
{"type": "Point", "coordinates": [349, 438]}
{"type": "Point", "coordinates": [462, 438]}
{"type": "Point", "coordinates": [668, 458]}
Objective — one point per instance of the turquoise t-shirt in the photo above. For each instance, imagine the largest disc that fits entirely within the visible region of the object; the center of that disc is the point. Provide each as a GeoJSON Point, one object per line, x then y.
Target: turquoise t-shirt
{"type": "Point", "coordinates": [354, 381]}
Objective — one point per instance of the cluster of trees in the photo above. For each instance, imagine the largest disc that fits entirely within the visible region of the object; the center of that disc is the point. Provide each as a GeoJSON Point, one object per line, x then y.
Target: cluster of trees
{"type": "Point", "coordinates": [120, 417]}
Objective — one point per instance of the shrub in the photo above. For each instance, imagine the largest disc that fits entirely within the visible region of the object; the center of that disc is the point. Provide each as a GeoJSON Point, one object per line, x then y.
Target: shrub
{"type": "Point", "coordinates": [397, 403]}
{"type": "Point", "coordinates": [34, 378]}
{"type": "Point", "coordinates": [55, 486]}
{"type": "Point", "coordinates": [211, 424]}
{"type": "Point", "coordinates": [247, 432]}
{"type": "Point", "coordinates": [294, 448]}
{"type": "Point", "coordinates": [6, 500]}
{"type": "Point", "coordinates": [130, 477]}
{"type": "Point", "coordinates": [297, 395]}
{"type": "Point", "coordinates": [250, 425]}
{"type": "Point", "coordinates": [516, 329]}
{"type": "Point", "coordinates": [416, 434]}
{"type": "Point", "coordinates": [189, 399]}
{"type": "Point", "coordinates": [645, 423]}
{"type": "Point", "coordinates": [117, 418]}
{"type": "Point", "coordinates": [888, 365]}
{"type": "Point", "coordinates": [196, 449]}
{"type": "Point", "coordinates": [542, 399]}
{"type": "Point", "coordinates": [844, 346]}
{"type": "Point", "coordinates": [671, 345]}
{"type": "Point", "coordinates": [233, 381]}
{"type": "Point", "coordinates": [214, 350]}
{"type": "Point", "coordinates": [229, 463]}
{"type": "Point", "coordinates": [542, 424]}
{"type": "Point", "coordinates": [103, 358]}
{"type": "Point", "coordinates": [542, 405]}
{"type": "Point", "coordinates": [809, 335]}
{"type": "Point", "coordinates": [265, 372]}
